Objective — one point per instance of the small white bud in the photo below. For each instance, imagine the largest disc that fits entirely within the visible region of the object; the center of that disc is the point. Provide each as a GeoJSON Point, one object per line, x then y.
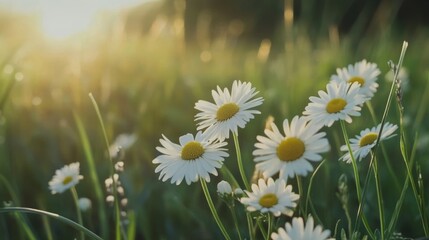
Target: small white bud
{"type": "Point", "coordinates": [223, 188]}
{"type": "Point", "coordinates": [84, 204]}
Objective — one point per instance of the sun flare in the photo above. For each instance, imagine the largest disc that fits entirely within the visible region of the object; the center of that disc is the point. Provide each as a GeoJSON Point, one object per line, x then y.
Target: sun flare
{"type": "Point", "coordinates": [62, 19]}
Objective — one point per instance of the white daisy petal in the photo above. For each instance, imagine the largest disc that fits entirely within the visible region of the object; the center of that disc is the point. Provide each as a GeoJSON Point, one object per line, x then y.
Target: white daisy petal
{"type": "Point", "coordinates": [341, 101]}
{"type": "Point", "coordinates": [232, 110]}
{"type": "Point", "coordinates": [364, 73]}
{"type": "Point", "coordinates": [292, 152]}
{"type": "Point", "coordinates": [195, 157]}
{"type": "Point", "coordinates": [362, 144]}
{"type": "Point", "coordinates": [65, 178]}
{"type": "Point", "coordinates": [298, 231]}
{"type": "Point", "coordinates": [271, 196]}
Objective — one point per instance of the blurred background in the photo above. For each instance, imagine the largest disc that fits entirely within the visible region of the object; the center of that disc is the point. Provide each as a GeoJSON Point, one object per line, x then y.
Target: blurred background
{"type": "Point", "coordinates": [147, 62]}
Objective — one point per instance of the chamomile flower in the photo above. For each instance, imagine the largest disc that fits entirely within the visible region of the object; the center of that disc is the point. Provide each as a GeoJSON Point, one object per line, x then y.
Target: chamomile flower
{"type": "Point", "coordinates": [230, 110]}
{"type": "Point", "coordinates": [290, 152]}
{"type": "Point", "coordinates": [191, 159]}
{"type": "Point", "coordinates": [65, 178]}
{"type": "Point", "coordinates": [271, 196]}
{"type": "Point", "coordinates": [362, 144]}
{"type": "Point", "coordinates": [341, 101]}
{"type": "Point", "coordinates": [364, 73]}
{"type": "Point", "coordinates": [299, 231]}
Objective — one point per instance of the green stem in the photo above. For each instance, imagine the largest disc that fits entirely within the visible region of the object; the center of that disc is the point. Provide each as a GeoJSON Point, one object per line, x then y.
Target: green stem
{"type": "Point", "coordinates": [383, 149]}
{"type": "Point", "coordinates": [379, 198]}
{"type": "Point", "coordinates": [19, 217]}
{"type": "Point", "coordinates": [234, 218]}
{"type": "Point", "coordinates": [78, 213]}
{"type": "Point", "coordinates": [310, 184]}
{"type": "Point", "coordinates": [270, 222]}
{"type": "Point", "coordinates": [96, 186]}
{"type": "Point", "coordinates": [301, 196]}
{"type": "Point", "coordinates": [67, 221]}
{"type": "Point", "coordinates": [357, 181]}
{"type": "Point", "coordinates": [244, 178]}
{"type": "Point", "coordinates": [213, 209]}
{"type": "Point", "coordinates": [240, 161]}
{"type": "Point", "coordinates": [112, 171]}
{"type": "Point", "coordinates": [250, 226]}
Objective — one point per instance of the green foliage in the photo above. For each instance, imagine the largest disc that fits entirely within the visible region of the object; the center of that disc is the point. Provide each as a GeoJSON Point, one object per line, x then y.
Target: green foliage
{"type": "Point", "coordinates": [148, 85]}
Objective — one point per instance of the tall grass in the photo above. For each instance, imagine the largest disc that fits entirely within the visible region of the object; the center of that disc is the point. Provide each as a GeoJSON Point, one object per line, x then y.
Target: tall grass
{"type": "Point", "coordinates": [148, 86]}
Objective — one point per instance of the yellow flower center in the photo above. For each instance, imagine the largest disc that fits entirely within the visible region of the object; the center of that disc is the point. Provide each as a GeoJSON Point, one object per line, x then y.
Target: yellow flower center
{"type": "Point", "coordinates": [67, 180]}
{"type": "Point", "coordinates": [268, 200]}
{"type": "Point", "coordinates": [357, 79]}
{"type": "Point", "coordinates": [192, 150]}
{"type": "Point", "coordinates": [290, 149]}
{"type": "Point", "coordinates": [336, 105]}
{"type": "Point", "coordinates": [227, 111]}
{"type": "Point", "coordinates": [369, 138]}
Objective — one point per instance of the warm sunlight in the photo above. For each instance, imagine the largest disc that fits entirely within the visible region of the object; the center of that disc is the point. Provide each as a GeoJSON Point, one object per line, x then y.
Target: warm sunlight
{"type": "Point", "coordinates": [63, 19]}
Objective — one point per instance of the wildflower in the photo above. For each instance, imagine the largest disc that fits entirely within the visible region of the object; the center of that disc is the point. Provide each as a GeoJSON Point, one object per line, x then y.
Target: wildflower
{"type": "Point", "coordinates": [230, 110]}
{"type": "Point", "coordinates": [340, 102]}
{"type": "Point", "coordinates": [292, 152]}
{"type": "Point", "coordinates": [273, 196]}
{"type": "Point", "coordinates": [364, 73]}
{"type": "Point", "coordinates": [192, 159]}
{"type": "Point", "coordinates": [122, 141]}
{"type": "Point", "coordinates": [362, 144]}
{"type": "Point", "coordinates": [224, 188]}
{"type": "Point", "coordinates": [84, 204]}
{"type": "Point", "coordinates": [65, 178]}
{"type": "Point", "coordinates": [297, 231]}
{"type": "Point", "coordinates": [403, 78]}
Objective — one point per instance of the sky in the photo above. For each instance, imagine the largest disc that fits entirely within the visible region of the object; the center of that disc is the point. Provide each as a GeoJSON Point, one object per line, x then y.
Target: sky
{"type": "Point", "coordinates": [62, 18]}
{"type": "Point", "coordinates": [38, 5]}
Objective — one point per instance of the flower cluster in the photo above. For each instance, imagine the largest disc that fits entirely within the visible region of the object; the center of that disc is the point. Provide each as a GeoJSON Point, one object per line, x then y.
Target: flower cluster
{"type": "Point", "coordinates": [282, 153]}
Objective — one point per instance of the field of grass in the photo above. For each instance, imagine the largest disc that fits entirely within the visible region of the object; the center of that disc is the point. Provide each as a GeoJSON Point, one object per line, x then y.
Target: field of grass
{"type": "Point", "coordinates": [147, 85]}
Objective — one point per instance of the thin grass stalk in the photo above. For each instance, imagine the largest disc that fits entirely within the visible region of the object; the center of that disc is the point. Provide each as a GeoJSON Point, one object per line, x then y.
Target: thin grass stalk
{"type": "Point", "coordinates": [213, 209]}
{"type": "Point", "coordinates": [6, 93]}
{"type": "Point", "coordinates": [357, 182]}
{"type": "Point", "coordinates": [310, 185]}
{"type": "Point", "coordinates": [19, 218]}
{"type": "Point", "coordinates": [229, 176]}
{"type": "Point", "coordinates": [60, 218]}
{"type": "Point", "coordinates": [403, 144]}
{"type": "Point", "coordinates": [93, 176]}
{"type": "Point", "coordinates": [379, 198]}
{"type": "Point", "coordinates": [245, 181]}
{"type": "Point", "coordinates": [234, 218]}
{"type": "Point", "coordinates": [45, 221]}
{"type": "Point", "coordinates": [395, 214]}
{"type": "Point", "coordinates": [383, 149]}
{"type": "Point", "coordinates": [422, 197]}
{"type": "Point", "coordinates": [112, 171]}
{"type": "Point", "coordinates": [78, 213]}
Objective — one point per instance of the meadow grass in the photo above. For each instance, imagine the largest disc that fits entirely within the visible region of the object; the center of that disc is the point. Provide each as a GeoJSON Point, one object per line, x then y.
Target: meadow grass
{"type": "Point", "coordinates": [149, 86]}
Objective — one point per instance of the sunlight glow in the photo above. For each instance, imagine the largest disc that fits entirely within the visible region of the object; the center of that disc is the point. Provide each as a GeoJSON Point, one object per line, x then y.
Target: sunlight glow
{"type": "Point", "coordinates": [61, 19]}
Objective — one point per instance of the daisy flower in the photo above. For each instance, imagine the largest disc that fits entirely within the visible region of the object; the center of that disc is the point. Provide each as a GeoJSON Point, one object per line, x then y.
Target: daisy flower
{"type": "Point", "coordinates": [364, 73]}
{"type": "Point", "coordinates": [191, 159]}
{"type": "Point", "coordinates": [362, 144]}
{"type": "Point", "coordinates": [299, 231]}
{"type": "Point", "coordinates": [341, 101]}
{"type": "Point", "coordinates": [292, 151]}
{"type": "Point", "coordinates": [230, 110]}
{"type": "Point", "coordinates": [274, 197]}
{"type": "Point", "coordinates": [65, 178]}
